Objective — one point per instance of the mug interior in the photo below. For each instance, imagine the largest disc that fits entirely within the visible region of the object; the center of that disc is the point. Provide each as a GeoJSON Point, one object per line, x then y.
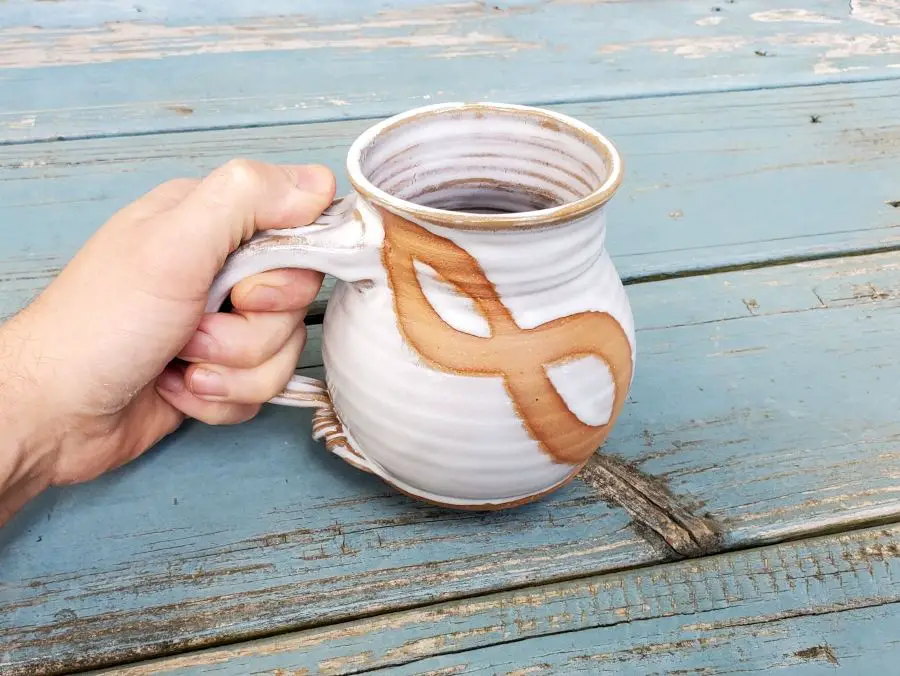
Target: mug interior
{"type": "Point", "coordinates": [485, 165]}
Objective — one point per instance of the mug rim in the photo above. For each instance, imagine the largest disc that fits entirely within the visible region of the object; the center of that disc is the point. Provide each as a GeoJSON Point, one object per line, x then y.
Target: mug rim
{"type": "Point", "coordinates": [468, 220]}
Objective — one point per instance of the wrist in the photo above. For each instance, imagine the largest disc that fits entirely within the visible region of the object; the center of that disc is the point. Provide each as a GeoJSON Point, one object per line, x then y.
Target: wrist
{"type": "Point", "coordinates": [28, 445]}
{"type": "Point", "coordinates": [26, 470]}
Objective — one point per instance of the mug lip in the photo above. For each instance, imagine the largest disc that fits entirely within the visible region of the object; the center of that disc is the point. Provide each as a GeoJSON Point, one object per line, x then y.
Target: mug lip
{"type": "Point", "coordinates": [473, 221]}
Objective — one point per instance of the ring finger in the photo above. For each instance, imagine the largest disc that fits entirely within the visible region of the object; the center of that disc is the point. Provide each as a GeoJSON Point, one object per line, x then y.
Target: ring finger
{"type": "Point", "coordinates": [241, 340]}
{"type": "Point", "coordinates": [217, 382]}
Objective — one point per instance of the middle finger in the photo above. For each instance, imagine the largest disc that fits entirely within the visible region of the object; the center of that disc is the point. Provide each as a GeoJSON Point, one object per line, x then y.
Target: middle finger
{"type": "Point", "coordinates": [241, 339]}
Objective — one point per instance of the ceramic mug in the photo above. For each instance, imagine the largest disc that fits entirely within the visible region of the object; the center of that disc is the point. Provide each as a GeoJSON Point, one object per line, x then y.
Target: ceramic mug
{"type": "Point", "coordinates": [479, 344]}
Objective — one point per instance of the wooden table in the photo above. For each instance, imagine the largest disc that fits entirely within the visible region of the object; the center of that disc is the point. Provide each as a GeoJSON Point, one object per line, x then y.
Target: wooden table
{"type": "Point", "coordinates": [758, 229]}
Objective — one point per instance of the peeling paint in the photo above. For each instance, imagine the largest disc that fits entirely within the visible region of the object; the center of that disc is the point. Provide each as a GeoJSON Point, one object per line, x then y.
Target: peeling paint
{"type": "Point", "coordinates": [24, 123]}
{"type": "Point", "coordinates": [877, 12]}
{"type": "Point", "coordinates": [792, 15]}
{"type": "Point", "coordinates": [846, 46]}
{"type": "Point", "coordinates": [831, 46]}
{"type": "Point", "coordinates": [30, 47]}
{"type": "Point", "coordinates": [764, 592]}
{"type": "Point", "coordinates": [174, 624]}
{"type": "Point", "coordinates": [826, 67]}
{"type": "Point", "coordinates": [690, 48]}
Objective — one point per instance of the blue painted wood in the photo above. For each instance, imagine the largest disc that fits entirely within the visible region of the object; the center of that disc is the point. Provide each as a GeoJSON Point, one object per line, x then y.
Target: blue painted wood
{"type": "Point", "coordinates": [711, 180]}
{"type": "Point", "coordinates": [100, 68]}
{"type": "Point", "coordinates": [808, 607]}
{"type": "Point", "coordinates": [767, 396]}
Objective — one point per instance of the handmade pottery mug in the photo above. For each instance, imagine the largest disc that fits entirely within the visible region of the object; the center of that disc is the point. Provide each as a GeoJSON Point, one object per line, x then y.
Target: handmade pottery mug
{"type": "Point", "coordinates": [479, 344]}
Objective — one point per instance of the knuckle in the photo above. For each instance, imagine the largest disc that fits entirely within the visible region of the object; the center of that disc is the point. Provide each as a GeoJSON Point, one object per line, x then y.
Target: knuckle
{"type": "Point", "coordinates": [179, 184]}
{"type": "Point", "coordinates": [256, 352]}
{"type": "Point", "coordinates": [242, 347]}
{"type": "Point", "coordinates": [246, 413]}
{"type": "Point", "coordinates": [301, 288]}
{"type": "Point", "coordinates": [274, 384]}
{"type": "Point", "coordinates": [266, 337]}
{"type": "Point", "coordinates": [240, 174]}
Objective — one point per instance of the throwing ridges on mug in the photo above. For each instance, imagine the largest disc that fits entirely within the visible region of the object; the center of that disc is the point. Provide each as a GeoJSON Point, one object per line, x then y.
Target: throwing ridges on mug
{"type": "Point", "coordinates": [479, 344]}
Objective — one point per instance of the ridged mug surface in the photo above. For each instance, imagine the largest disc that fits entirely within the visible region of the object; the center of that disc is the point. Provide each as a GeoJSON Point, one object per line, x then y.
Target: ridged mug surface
{"type": "Point", "coordinates": [480, 345]}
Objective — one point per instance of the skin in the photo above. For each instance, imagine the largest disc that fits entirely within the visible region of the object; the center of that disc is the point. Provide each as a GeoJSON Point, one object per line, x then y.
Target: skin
{"type": "Point", "coordinates": [118, 350]}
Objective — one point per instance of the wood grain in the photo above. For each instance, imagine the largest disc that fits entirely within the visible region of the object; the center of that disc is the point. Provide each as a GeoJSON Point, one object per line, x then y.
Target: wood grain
{"type": "Point", "coordinates": [100, 68]}
{"type": "Point", "coordinates": [711, 180]}
{"type": "Point", "coordinates": [807, 606]}
{"type": "Point", "coordinates": [760, 396]}
{"type": "Point", "coordinates": [652, 506]}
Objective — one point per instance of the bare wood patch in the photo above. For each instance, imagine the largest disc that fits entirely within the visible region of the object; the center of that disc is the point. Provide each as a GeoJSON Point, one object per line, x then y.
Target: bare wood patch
{"type": "Point", "coordinates": [876, 12]}
{"type": "Point", "coordinates": [572, 626]}
{"type": "Point", "coordinates": [648, 500]}
{"type": "Point", "coordinates": [818, 652]}
{"type": "Point", "coordinates": [427, 27]}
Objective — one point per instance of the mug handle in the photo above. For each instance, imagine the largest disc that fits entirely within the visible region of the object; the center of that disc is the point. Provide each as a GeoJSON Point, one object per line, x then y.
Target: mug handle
{"type": "Point", "coordinates": [342, 243]}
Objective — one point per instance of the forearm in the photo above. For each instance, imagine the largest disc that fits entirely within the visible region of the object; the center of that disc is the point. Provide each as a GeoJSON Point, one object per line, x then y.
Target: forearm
{"type": "Point", "coordinates": [27, 446]}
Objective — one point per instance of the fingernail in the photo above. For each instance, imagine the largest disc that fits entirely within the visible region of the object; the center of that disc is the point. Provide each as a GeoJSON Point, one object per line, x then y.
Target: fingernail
{"type": "Point", "coordinates": [313, 178]}
{"type": "Point", "coordinates": [171, 380]}
{"type": "Point", "coordinates": [200, 347]}
{"type": "Point", "coordinates": [208, 383]}
{"type": "Point", "coordinates": [262, 297]}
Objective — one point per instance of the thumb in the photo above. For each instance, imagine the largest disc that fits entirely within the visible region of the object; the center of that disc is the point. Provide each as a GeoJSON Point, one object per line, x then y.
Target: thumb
{"type": "Point", "coordinates": [242, 197]}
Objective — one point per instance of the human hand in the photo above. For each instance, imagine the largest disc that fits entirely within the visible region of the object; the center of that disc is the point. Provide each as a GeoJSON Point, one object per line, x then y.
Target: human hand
{"type": "Point", "coordinates": [87, 378]}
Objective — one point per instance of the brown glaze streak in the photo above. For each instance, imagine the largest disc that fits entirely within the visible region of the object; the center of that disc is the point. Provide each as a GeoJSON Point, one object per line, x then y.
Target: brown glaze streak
{"type": "Point", "coordinates": [519, 356]}
{"type": "Point", "coordinates": [326, 422]}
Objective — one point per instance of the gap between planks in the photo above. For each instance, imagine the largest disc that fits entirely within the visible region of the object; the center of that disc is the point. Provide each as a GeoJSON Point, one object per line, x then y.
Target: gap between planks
{"type": "Point", "coordinates": [760, 585]}
{"type": "Point", "coordinates": [667, 221]}
{"type": "Point", "coordinates": [573, 100]}
{"type": "Point", "coordinates": [657, 513]}
{"type": "Point", "coordinates": [848, 290]}
{"type": "Point", "coordinates": [682, 307]}
{"type": "Point", "coordinates": [317, 310]}
{"type": "Point", "coordinates": [159, 65]}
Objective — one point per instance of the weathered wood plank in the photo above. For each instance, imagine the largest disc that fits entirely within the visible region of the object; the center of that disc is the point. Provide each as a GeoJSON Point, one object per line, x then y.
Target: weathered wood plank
{"type": "Point", "coordinates": [764, 397]}
{"type": "Point", "coordinates": [101, 68]}
{"type": "Point", "coordinates": [711, 180]}
{"type": "Point", "coordinates": [807, 606]}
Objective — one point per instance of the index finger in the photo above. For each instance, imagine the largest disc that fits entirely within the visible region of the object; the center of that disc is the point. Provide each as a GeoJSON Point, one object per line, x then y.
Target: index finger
{"type": "Point", "coordinates": [244, 196]}
{"type": "Point", "coordinates": [287, 290]}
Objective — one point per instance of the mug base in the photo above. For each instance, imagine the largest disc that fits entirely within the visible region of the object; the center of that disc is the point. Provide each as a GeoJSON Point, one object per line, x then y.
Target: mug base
{"type": "Point", "coordinates": [473, 505]}
{"type": "Point", "coordinates": [328, 426]}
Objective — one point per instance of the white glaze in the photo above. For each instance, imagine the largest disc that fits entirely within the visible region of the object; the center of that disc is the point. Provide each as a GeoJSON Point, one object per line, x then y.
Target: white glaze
{"type": "Point", "coordinates": [440, 434]}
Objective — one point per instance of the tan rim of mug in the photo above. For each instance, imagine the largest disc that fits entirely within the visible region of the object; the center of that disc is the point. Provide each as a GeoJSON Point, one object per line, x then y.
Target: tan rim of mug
{"type": "Point", "coordinates": [471, 221]}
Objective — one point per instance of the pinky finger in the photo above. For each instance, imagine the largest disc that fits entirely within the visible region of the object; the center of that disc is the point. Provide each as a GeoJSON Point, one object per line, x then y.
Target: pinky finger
{"type": "Point", "coordinates": [171, 387]}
